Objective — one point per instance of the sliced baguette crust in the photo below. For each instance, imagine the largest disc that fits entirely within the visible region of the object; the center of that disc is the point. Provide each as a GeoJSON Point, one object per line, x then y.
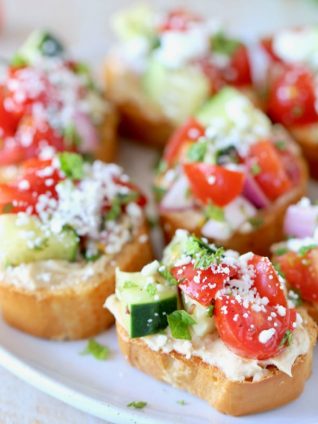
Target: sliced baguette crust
{"type": "Point", "coordinates": [312, 309]}
{"type": "Point", "coordinates": [307, 138]}
{"type": "Point", "coordinates": [74, 312]}
{"type": "Point", "coordinates": [260, 239]}
{"type": "Point", "coordinates": [140, 118]}
{"type": "Point", "coordinates": [107, 131]}
{"type": "Point", "coordinates": [209, 383]}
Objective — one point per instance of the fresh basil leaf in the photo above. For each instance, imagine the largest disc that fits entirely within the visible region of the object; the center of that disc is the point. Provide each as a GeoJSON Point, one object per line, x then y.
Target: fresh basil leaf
{"type": "Point", "coordinates": [72, 165]}
{"type": "Point", "coordinates": [179, 323]}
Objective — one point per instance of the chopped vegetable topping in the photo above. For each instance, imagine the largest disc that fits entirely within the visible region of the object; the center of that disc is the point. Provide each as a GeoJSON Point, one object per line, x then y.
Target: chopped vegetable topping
{"type": "Point", "coordinates": [97, 350]}
{"type": "Point", "coordinates": [137, 404]}
{"type": "Point", "coordinates": [180, 323]}
{"type": "Point", "coordinates": [72, 165]}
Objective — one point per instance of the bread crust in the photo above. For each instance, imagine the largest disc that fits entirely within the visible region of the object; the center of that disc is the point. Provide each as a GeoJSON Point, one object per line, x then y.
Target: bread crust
{"type": "Point", "coordinates": [307, 138]}
{"type": "Point", "coordinates": [107, 131]}
{"type": "Point", "coordinates": [75, 312]}
{"type": "Point", "coordinates": [260, 239]}
{"type": "Point", "coordinates": [209, 383]}
{"type": "Point", "coordinates": [140, 118]}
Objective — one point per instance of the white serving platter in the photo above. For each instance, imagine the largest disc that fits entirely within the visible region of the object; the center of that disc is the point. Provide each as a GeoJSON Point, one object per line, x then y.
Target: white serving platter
{"type": "Point", "coordinates": [105, 388]}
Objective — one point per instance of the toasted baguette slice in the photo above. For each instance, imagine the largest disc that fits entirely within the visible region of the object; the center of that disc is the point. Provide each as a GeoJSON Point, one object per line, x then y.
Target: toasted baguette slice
{"type": "Point", "coordinates": [260, 239]}
{"type": "Point", "coordinates": [312, 309]}
{"type": "Point", "coordinates": [140, 118]}
{"type": "Point", "coordinates": [71, 312]}
{"type": "Point", "coordinates": [307, 138]}
{"type": "Point", "coordinates": [209, 383]}
{"type": "Point", "coordinates": [107, 131]}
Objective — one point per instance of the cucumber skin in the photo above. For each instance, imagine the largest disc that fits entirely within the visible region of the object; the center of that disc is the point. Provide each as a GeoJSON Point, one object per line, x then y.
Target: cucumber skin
{"type": "Point", "coordinates": [140, 314]}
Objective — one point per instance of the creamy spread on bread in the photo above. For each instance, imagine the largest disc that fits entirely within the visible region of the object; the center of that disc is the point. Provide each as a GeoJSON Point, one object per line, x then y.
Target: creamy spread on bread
{"type": "Point", "coordinates": [213, 351]}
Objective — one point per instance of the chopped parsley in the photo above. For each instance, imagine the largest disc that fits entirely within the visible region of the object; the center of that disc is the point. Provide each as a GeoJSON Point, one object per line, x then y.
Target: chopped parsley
{"type": "Point", "coordinates": [202, 253]}
{"type": "Point", "coordinates": [7, 208]}
{"type": "Point", "coordinates": [278, 269]}
{"type": "Point", "coordinates": [72, 165]}
{"type": "Point", "coordinates": [158, 192]}
{"type": "Point", "coordinates": [214, 212]}
{"type": "Point", "coordinates": [71, 136]}
{"type": "Point", "coordinates": [280, 145]}
{"type": "Point", "coordinates": [160, 165]}
{"type": "Point", "coordinates": [210, 311]}
{"type": "Point", "coordinates": [227, 155]}
{"type": "Point", "coordinates": [255, 169]}
{"type": "Point", "coordinates": [256, 221]}
{"type": "Point", "coordinates": [152, 221]}
{"type": "Point", "coordinates": [287, 338]}
{"type": "Point", "coordinates": [197, 151]}
{"type": "Point", "coordinates": [280, 251]}
{"type": "Point", "coordinates": [182, 402]}
{"type": "Point", "coordinates": [305, 249]}
{"type": "Point", "coordinates": [179, 323]}
{"type": "Point", "coordinates": [224, 45]}
{"type": "Point", "coordinates": [114, 211]}
{"type": "Point", "coordinates": [139, 404]}
{"type": "Point", "coordinates": [93, 258]}
{"type": "Point", "coordinates": [97, 350]}
{"type": "Point", "coordinates": [163, 271]}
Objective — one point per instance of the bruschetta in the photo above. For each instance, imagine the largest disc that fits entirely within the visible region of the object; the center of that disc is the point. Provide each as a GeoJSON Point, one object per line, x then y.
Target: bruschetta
{"type": "Point", "coordinates": [166, 65]}
{"type": "Point", "coordinates": [216, 324]}
{"type": "Point", "coordinates": [228, 174]}
{"type": "Point", "coordinates": [50, 103]}
{"type": "Point", "coordinates": [297, 257]}
{"type": "Point", "coordinates": [292, 86]}
{"type": "Point", "coordinates": [64, 227]}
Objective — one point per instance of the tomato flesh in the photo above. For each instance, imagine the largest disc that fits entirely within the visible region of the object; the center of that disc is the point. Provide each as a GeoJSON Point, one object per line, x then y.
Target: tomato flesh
{"type": "Point", "coordinates": [201, 285]}
{"type": "Point", "coordinates": [272, 177]}
{"type": "Point", "coordinates": [266, 281]}
{"type": "Point", "coordinates": [301, 272]}
{"type": "Point", "coordinates": [213, 183]}
{"type": "Point", "coordinates": [241, 328]}
{"type": "Point", "coordinates": [191, 131]}
{"type": "Point", "coordinates": [291, 98]}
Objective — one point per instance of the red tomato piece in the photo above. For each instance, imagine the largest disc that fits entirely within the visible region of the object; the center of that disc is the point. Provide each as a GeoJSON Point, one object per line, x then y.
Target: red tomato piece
{"type": "Point", "coordinates": [267, 45]}
{"type": "Point", "coordinates": [14, 200]}
{"type": "Point", "coordinates": [266, 281]}
{"type": "Point", "coordinates": [272, 177]}
{"type": "Point", "coordinates": [191, 131]}
{"type": "Point", "coordinates": [251, 334]}
{"type": "Point", "coordinates": [30, 138]}
{"type": "Point", "coordinates": [179, 20]}
{"type": "Point", "coordinates": [291, 98]}
{"type": "Point", "coordinates": [201, 285]}
{"type": "Point", "coordinates": [8, 119]}
{"type": "Point", "coordinates": [301, 272]}
{"type": "Point", "coordinates": [238, 72]}
{"type": "Point", "coordinates": [213, 183]}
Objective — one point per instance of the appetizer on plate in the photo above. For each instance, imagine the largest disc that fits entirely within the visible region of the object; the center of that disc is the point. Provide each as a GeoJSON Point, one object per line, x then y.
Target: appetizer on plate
{"type": "Point", "coordinates": [297, 257]}
{"type": "Point", "coordinates": [216, 324]}
{"type": "Point", "coordinates": [65, 225]}
{"type": "Point", "coordinates": [166, 65]}
{"type": "Point", "coordinates": [229, 175]}
{"type": "Point", "coordinates": [292, 86]}
{"type": "Point", "coordinates": [49, 103]}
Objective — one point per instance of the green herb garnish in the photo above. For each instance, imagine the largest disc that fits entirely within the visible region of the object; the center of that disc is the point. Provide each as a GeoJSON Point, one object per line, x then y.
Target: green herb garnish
{"type": "Point", "coordinates": [255, 169]}
{"type": "Point", "coordinates": [71, 136]}
{"type": "Point", "coordinates": [152, 221]}
{"type": "Point", "coordinates": [114, 211]}
{"type": "Point", "coordinates": [93, 258]}
{"type": "Point", "coordinates": [278, 269]}
{"type": "Point", "coordinates": [256, 221]}
{"type": "Point", "coordinates": [180, 322]}
{"type": "Point", "coordinates": [129, 284]}
{"type": "Point", "coordinates": [280, 251]}
{"type": "Point", "coordinates": [7, 208]}
{"type": "Point", "coordinates": [280, 145]}
{"type": "Point", "coordinates": [72, 165]}
{"type": "Point", "coordinates": [163, 271]}
{"type": "Point", "coordinates": [305, 249]}
{"type": "Point", "coordinates": [210, 311]}
{"type": "Point", "coordinates": [158, 192]}
{"type": "Point", "coordinates": [197, 151]}
{"type": "Point", "coordinates": [182, 402]}
{"type": "Point", "coordinates": [202, 253]}
{"type": "Point", "coordinates": [214, 212]}
{"type": "Point", "coordinates": [160, 165]}
{"type": "Point", "coordinates": [287, 338]}
{"type": "Point", "coordinates": [224, 45]}
{"type": "Point", "coordinates": [140, 404]}
{"type": "Point", "coordinates": [97, 350]}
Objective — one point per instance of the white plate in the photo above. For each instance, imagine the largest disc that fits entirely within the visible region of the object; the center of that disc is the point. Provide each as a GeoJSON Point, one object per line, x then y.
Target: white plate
{"type": "Point", "coordinates": [105, 388]}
